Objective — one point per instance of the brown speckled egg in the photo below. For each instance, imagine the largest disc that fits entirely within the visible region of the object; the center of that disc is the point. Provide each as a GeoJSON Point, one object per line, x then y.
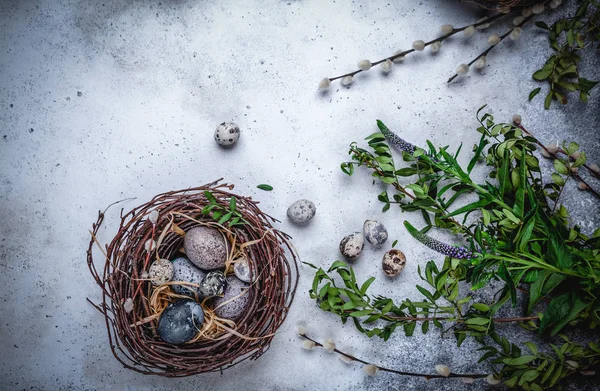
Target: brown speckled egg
{"type": "Point", "coordinates": [352, 245]}
{"type": "Point", "coordinates": [393, 262]}
{"type": "Point", "coordinates": [206, 248]}
{"type": "Point", "coordinates": [234, 309]}
{"type": "Point", "coordinates": [161, 271]}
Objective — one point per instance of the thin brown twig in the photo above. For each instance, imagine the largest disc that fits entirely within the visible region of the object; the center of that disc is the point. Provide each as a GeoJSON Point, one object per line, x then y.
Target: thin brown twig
{"type": "Point", "coordinates": [439, 39]}
{"type": "Point", "coordinates": [491, 47]}
{"type": "Point", "coordinates": [403, 373]}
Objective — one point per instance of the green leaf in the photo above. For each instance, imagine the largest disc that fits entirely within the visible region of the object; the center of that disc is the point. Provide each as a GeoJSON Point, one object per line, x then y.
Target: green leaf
{"type": "Point", "coordinates": [560, 167]}
{"type": "Point", "coordinates": [232, 204]}
{"type": "Point", "coordinates": [265, 187]}
{"type": "Point", "coordinates": [467, 208]}
{"type": "Point", "coordinates": [209, 196]}
{"type": "Point", "coordinates": [534, 92]}
{"type": "Point", "coordinates": [358, 314]}
{"type": "Point", "coordinates": [542, 25]}
{"type": "Point", "coordinates": [557, 179]}
{"type": "Point", "coordinates": [542, 74]}
{"type": "Point", "coordinates": [477, 321]}
{"type": "Point", "coordinates": [425, 293]}
{"type": "Point", "coordinates": [481, 307]}
{"type": "Point", "coordinates": [531, 346]}
{"type": "Point", "coordinates": [519, 360]}
{"type": "Point", "coordinates": [548, 100]}
{"type": "Point", "coordinates": [366, 285]}
{"type": "Point", "coordinates": [347, 168]}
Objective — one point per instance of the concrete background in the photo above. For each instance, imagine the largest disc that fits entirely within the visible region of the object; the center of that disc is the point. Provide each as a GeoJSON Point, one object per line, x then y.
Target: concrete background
{"type": "Point", "coordinates": [101, 101]}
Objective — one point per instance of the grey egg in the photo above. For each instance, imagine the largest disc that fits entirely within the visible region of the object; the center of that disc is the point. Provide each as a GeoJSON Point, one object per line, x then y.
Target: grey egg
{"type": "Point", "coordinates": [393, 262]}
{"type": "Point", "coordinates": [234, 309]}
{"type": "Point", "coordinates": [206, 248]}
{"type": "Point", "coordinates": [352, 245]}
{"type": "Point", "coordinates": [301, 211]}
{"type": "Point", "coordinates": [161, 271]}
{"type": "Point", "coordinates": [180, 321]}
{"type": "Point", "coordinates": [375, 232]}
{"type": "Point", "coordinates": [184, 270]}
{"type": "Point", "coordinates": [227, 134]}
{"type": "Point", "coordinates": [241, 268]}
{"type": "Point", "coordinates": [213, 284]}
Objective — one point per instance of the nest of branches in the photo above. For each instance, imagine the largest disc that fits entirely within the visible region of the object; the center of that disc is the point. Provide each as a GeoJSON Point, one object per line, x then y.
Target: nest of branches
{"type": "Point", "coordinates": [131, 304]}
{"type": "Point", "coordinates": [503, 5]}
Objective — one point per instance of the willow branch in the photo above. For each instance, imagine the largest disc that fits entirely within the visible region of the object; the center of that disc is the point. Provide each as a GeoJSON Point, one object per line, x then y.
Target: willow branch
{"type": "Point", "coordinates": [439, 39]}
{"type": "Point", "coordinates": [491, 47]}
{"type": "Point", "coordinates": [402, 373]}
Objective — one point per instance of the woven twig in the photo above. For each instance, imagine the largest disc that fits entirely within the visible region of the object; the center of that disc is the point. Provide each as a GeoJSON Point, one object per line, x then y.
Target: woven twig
{"type": "Point", "coordinates": [139, 348]}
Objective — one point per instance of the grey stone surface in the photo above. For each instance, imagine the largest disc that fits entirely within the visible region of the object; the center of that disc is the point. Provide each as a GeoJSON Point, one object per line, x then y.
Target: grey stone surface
{"type": "Point", "coordinates": [104, 100]}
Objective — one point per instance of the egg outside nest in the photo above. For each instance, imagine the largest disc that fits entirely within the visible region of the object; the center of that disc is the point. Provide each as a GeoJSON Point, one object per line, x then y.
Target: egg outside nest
{"type": "Point", "coordinates": [393, 262]}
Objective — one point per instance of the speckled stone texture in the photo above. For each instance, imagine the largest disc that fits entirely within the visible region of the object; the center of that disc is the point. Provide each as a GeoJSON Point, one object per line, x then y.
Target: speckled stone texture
{"type": "Point", "coordinates": [105, 100]}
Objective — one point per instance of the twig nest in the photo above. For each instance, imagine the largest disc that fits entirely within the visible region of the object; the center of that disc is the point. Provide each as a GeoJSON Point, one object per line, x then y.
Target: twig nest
{"type": "Point", "coordinates": [393, 262]}
{"type": "Point", "coordinates": [213, 284]}
{"type": "Point", "coordinates": [241, 269]}
{"type": "Point", "coordinates": [180, 322]}
{"type": "Point", "coordinates": [352, 245]}
{"type": "Point", "coordinates": [206, 248]}
{"type": "Point", "coordinates": [227, 134]}
{"type": "Point", "coordinates": [375, 232]}
{"type": "Point", "coordinates": [185, 271]}
{"type": "Point", "coordinates": [235, 301]}
{"type": "Point", "coordinates": [142, 324]}
{"type": "Point", "coordinates": [161, 271]}
{"type": "Point", "coordinates": [301, 211]}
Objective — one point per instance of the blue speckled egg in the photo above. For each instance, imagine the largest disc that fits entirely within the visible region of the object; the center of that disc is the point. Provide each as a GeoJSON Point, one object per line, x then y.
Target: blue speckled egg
{"type": "Point", "coordinates": [185, 270]}
{"type": "Point", "coordinates": [235, 308]}
{"type": "Point", "coordinates": [180, 322]}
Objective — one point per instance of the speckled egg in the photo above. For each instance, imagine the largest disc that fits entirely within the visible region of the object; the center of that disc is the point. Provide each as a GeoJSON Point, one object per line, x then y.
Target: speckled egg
{"type": "Point", "coordinates": [301, 211]}
{"type": "Point", "coordinates": [375, 232]}
{"type": "Point", "coordinates": [180, 321]}
{"type": "Point", "coordinates": [160, 271]}
{"type": "Point", "coordinates": [213, 284]}
{"type": "Point", "coordinates": [206, 248]}
{"type": "Point", "coordinates": [241, 268]}
{"type": "Point", "coordinates": [184, 270]}
{"type": "Point", "coordinates": [352, 245]}
{"type": "Point", "coordinates": [234, 309]}
{"type": "Point", "coordinates": [227, 134]}
{"type": "Point", "coordinates": [393, 262]}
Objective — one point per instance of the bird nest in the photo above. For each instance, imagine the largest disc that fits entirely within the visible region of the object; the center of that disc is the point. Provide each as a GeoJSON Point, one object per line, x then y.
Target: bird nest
{"type": "Point", "coordinates": [132, 304]}
{"type": "Point", "coordinates": [502, 5]}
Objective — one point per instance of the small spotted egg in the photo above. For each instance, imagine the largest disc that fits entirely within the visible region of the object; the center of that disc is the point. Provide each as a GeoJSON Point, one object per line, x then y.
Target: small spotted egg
{"type": "Point", "coordinates": [161, 271]}
{"type": "Point", "coordinates": [352, 245]}
{"type": "Point", "coordinates": [393, 262]}
{"type": "Point", "coordinates": [227, 134]}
